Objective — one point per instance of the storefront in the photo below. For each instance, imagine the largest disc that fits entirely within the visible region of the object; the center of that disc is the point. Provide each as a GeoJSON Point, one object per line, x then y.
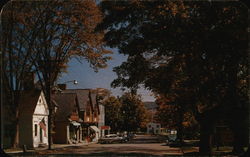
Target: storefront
{"type": "Point", "coordinates": [94, 133]}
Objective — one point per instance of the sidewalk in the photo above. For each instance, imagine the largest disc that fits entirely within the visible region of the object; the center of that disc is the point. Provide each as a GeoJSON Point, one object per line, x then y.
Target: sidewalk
{"type": "Point", "coordinates": [54, 146]}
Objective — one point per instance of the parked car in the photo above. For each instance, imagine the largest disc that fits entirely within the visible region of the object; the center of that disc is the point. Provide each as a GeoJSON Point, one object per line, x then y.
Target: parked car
{"type": "Point", "coordinates": [131, 135]}
{"type": "Point", "coordinates": [171, 139]}
{"type": "Point", "coordinates": [112, 138]}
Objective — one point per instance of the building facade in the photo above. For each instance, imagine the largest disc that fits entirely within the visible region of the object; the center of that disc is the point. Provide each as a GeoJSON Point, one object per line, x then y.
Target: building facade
{"type": "Point", "coordinates": [153, 128]}
{"type": "Point", "coordinates": [67, 121]}
{"type": "Point", "coordinates": [33, 120]}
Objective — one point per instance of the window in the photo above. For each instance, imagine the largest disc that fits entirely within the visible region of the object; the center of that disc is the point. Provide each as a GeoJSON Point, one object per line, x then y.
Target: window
{"type": "Point", "coordinates": [35, 129]}
{"type": "Point", "coordinates": [149, 126]}
{"type": "Point", "coordinates": [157, 126]}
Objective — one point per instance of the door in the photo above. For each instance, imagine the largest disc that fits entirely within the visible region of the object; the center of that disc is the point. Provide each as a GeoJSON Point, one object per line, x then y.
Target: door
{"type": "Point", "coordinates": [41, 135]}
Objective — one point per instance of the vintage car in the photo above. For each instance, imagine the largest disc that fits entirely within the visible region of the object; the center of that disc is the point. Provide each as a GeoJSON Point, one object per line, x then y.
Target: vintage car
{"type": "Point", "coordinates": [112, 138]}
{"type": "Point", "coordinates": [172, 138]}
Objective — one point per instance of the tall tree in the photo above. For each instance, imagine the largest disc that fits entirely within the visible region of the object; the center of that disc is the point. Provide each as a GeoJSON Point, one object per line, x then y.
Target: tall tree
{"type": "Point", "coordinates": [113, 116]}
{"type": "Point", "coordinates": [205, 41]}
{"type": "Point", "coordinates": [133, 112]}
{"type": "Point", "coordinates": [47, 35]}
{"type": "Point", "coordinates": [125, 113]}
{"type": "Point", "coordinates": [2, 4]}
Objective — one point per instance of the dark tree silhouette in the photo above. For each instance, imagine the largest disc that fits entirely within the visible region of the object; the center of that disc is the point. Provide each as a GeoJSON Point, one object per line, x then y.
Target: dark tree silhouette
{"type": "Point", "coordinates": [178, 47]}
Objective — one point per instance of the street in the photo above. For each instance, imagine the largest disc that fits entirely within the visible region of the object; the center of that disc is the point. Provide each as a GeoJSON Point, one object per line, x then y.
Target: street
{"type": "Point", "coordinates": [142, 145]}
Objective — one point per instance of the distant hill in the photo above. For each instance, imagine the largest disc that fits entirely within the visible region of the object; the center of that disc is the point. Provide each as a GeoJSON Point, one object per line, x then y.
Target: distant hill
{"type": "Point", "coordinates": [150, 105]}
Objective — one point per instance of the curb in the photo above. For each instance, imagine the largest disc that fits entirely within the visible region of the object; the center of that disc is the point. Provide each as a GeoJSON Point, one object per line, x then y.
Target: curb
{"type": "Point", "coordinates": [55, 146]}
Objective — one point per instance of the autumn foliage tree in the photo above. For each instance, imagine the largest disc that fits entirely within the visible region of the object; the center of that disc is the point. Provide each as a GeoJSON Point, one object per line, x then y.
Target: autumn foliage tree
{"type": "Point", "coordinates": [168, 114]}
{"type": "Point", "coordinates": [43, 36]}
{"type": "Point", "coordinates": [193, 51]}
{"type": "Point", "coordinates": [125, 113]}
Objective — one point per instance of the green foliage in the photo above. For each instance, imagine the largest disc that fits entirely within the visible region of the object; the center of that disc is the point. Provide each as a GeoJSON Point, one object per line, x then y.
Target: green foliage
{"type": "Point", "coordinates": [126, 113]}
{"type": "Point", "coordinates": [133, 112]}
{"type": "Point", "coordinates": [112, 113]}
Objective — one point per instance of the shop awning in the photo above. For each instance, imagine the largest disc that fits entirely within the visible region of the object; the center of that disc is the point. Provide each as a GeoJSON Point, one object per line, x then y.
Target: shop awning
{"type": "Point", "coordinates": [75, 123]}
{"type": "Point", "coordinates": [94, 128]}
{"type": "Point", "coordinates": [105, 127]}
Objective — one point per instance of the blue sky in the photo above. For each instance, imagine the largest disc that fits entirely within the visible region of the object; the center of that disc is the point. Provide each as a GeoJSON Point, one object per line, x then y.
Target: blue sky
{"type": "Point", "coordinates": [87, 78]}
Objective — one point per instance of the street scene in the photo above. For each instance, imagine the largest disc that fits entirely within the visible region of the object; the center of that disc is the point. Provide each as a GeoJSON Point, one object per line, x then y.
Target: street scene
{"type": "Point", "coordinates": [124, 78]}
{"type": "Point", "coordinates": [141, 145]}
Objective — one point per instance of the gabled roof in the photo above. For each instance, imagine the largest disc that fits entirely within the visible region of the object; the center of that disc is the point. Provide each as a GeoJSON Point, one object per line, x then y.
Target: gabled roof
{"type": "Point", "coordinates": [93, 95]}
{"type": "Point", "coordinates": [28, 101]}
{"type": "Point", "coordinates": [82, 97]}
{"type": "Point", "coordinates": [67, 103]}
{"type": "Point", "coordinates": [93, 98]}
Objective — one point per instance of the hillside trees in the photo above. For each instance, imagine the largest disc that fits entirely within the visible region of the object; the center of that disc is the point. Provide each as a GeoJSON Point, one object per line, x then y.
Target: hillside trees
{"type": "Point", "coordinates": [192, 50]}
{"type": "Point", "coordinates": [43, 36]}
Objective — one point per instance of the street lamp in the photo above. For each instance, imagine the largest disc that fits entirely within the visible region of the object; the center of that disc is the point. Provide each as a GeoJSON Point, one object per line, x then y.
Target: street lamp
{"type": "Point", "coordinates": [74, 82]}
{"type": "Point", "coordinates": [57, 87]}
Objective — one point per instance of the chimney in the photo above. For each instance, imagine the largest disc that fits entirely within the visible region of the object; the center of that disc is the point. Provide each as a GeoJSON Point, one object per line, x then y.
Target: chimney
{"type": "Point", "coordinates": [62, 86]}
{"type": "Point", "coordinates": [29, 81]}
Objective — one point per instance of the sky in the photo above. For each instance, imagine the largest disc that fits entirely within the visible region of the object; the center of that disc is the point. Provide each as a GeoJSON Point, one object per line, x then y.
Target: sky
{"type": "Point", "coordinates": [87, 78]}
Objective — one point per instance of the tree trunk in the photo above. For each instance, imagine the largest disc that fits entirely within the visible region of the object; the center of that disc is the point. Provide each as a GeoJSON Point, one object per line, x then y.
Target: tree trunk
{"type": "Point", "coordinates": [238, 147]}
{"type": "Point", "coordinates": [16, 99]}
{"type": "Point", "coordinates": [237, 125]}
{"type": "Point", "coordinates": [50, 116]}
{"type": "Point", "coordinates": [205, 146]}
{"type": "Point", "coordinates": [180, 126]}
{"type": "Point", "coordinates": [16, 137]}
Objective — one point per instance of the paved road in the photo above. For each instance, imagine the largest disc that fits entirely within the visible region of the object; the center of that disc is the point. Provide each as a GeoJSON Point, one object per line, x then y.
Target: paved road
{"type": "Point", "coordinates": [142, 145]}
{"type": "Point", "coordinates": [147, 139]}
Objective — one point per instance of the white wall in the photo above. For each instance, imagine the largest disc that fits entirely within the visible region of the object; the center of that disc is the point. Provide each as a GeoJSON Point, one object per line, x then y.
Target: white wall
{"type": "Point", "coordinates": [101, 121]}
{"type": "Point", "coordinates": [41, 111]}
{"type": "Point", "coordinates": [156, 127]}
{"type": "Point", "coordinates": [27, 125]}
{"type": "Point", "coordinates": [41, 107]}
{"type": "Point", "coordinates": [36, 138]}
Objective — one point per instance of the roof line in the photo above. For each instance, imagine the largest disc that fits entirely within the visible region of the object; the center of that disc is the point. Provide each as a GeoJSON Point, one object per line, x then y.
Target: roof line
{"type": "Point", "coordinates": [65, 93]}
